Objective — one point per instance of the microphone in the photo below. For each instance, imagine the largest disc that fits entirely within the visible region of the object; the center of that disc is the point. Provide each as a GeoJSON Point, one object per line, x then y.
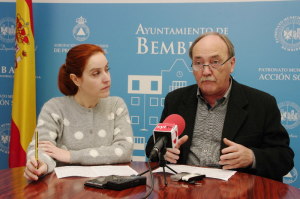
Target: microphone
{"type": "Point", "coordinates": [166, 134]}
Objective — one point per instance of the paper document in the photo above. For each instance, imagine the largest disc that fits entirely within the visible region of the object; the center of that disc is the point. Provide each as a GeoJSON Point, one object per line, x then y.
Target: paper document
{"type": "Point", "coordinates": [209, 172]}
{"type": "Point", "coordinates": [93, 171]}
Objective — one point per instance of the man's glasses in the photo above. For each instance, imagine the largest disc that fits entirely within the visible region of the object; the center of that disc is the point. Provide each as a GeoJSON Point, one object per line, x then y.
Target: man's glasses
{"type": "Point", "coordinates": [214, 63]}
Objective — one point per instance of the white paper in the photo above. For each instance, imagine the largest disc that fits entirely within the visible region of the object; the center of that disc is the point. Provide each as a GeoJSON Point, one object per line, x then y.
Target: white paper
{"type": "Point", "coordinates": [93, 171]}
{"type": "Point", "coordinates": [209, 172]}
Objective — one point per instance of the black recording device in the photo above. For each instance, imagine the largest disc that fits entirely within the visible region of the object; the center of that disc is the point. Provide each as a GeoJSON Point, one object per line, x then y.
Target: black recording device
{"type": "Point", "coordinates": [115, 182]}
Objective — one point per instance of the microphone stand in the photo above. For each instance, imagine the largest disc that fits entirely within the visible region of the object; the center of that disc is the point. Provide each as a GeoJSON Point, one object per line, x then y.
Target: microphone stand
{"type": "Point", "coordinates": [162, 163]}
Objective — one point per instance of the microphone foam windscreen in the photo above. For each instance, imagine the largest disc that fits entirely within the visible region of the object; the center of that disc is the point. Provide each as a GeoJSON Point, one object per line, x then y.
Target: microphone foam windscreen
{"type": "Point", "coordinates": [176, 119]}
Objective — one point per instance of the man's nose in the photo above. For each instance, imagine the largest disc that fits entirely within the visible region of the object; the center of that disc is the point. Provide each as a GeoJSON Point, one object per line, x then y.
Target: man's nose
{"type": "Point", "coordinates": [206, 69]}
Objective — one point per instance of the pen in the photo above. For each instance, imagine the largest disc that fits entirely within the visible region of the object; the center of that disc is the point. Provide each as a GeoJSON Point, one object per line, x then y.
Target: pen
{"type": "Point", "coordinates": [37, 147]}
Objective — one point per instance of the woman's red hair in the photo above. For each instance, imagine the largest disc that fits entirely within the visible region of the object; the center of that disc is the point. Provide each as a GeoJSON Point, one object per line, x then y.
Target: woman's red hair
{"type": "Point", "coordinates": [76, 60]}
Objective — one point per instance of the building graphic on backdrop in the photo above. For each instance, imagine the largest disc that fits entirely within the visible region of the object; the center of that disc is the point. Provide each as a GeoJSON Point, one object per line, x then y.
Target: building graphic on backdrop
{"type": "Point", "coordinates": [147, 94]}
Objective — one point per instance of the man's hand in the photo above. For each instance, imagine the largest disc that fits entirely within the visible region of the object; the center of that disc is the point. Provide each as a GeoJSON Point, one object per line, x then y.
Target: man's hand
{"type": "Point", "coordinates": [172, 154]}
{"type": "Point", "coordinates": [55, 152]}
{"type": "Point", "coordinates": [235, 156]}
{"type": "Point", "coordinates": [34, 169]}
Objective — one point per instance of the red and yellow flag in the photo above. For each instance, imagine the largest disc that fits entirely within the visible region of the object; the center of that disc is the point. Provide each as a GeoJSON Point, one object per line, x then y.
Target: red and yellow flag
{"type": "Point", "coordinates": [24, 95]}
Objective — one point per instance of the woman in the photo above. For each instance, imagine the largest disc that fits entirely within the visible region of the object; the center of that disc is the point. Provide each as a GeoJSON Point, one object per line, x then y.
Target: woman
{"type": "Point", "coordinates": [86, 126]}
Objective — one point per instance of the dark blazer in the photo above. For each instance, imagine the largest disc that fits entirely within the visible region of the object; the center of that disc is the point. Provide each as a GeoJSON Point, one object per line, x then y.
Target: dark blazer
{"type": "Point", "coordinates": [252, 119]}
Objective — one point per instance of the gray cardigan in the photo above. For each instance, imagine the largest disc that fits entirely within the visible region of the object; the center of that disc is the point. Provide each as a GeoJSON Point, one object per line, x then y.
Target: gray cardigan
{"type": "Point", "coordinates": [94, 136]}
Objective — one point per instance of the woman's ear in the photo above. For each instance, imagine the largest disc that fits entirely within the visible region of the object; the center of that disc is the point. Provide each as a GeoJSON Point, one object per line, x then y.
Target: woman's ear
{"type": "Point", "coordinates": [75, 79]}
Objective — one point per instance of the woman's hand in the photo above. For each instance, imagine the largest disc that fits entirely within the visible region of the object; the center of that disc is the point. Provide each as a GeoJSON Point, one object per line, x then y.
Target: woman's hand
{"type": "Point", "coordinates": [57, 153]}
{"type": "Point", "coordinates": [34, 169]}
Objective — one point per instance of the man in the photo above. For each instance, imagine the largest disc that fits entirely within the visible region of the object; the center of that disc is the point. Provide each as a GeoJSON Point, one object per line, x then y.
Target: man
{"type": "Point", "coordinates": [228, 125]}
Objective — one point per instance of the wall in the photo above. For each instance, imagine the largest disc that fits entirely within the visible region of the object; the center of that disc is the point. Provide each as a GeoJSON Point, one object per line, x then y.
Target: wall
{"type": "Point", "coordinates": [147, 44]}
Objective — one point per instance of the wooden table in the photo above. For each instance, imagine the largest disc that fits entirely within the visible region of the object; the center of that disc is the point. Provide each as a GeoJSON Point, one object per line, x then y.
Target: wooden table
{"type": "Point", "coordinates": [241, 185]}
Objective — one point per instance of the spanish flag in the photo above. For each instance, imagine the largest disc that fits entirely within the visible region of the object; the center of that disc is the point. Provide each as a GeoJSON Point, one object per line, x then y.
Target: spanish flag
{"type": "Point", "coordinates": [24, 94]}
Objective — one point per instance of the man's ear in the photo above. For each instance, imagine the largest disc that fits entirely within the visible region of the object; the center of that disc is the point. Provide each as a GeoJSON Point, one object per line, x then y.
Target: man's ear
{"type": "Point", "coordinates": [232, 64]}
{"type": "Point", "coordinates": [75, 79]}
